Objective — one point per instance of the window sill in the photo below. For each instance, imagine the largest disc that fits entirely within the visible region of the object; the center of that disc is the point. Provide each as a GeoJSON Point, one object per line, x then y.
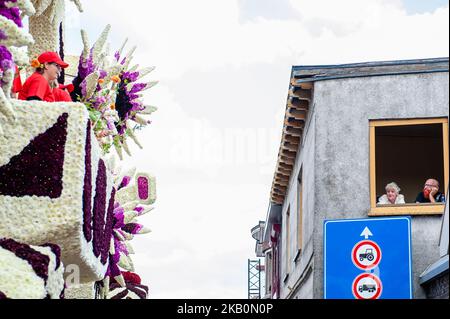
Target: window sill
{"type": "Point", "coordinates": [408, 209]}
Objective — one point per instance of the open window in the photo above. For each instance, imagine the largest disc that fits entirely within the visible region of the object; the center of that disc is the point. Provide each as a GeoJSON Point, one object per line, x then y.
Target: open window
{"type": "Point", "coordinates": [299, 215]}
{"type": "Point", "coordinates": [408, 152]}
{"type": "Point", "coordinates": [287, 245]}
{"type": "Point", "coordinates": [269, 270]}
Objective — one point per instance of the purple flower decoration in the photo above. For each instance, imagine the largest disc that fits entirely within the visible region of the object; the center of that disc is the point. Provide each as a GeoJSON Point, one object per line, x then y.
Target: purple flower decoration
{"type": "Point", "coordinates": [99, 101]}
{"type": "Point", "coordinates": [6, 64]}
{"type": "Point", "coordinates": [86, 66]}
{"type": "Point", "coordinates": [99, 208]}
{"type": "Point", "coordinates": [3, 35]}
{"type": "Point", "coordinates": [132, 228]}
{"type": "Point", "coordinates": [108, 228]}
{"type": "Point", "coordinates": [6, 59]}
{"type": "Point", "coordinates": [121, 129]}
{"type": "Point", "coordinates": [132, 96]}
{"type": "Point", "coordinates": [110, 125]}
{"type": "Point", "coordinates": [12, 14]}
{"type": "Point", "coordinates": [30, 172]}
{"type": "Point", "coordinates": [117, 56]}
{"type": "Point", "coordinates": [122, 230]}
{"type": "Point", "coordinates": [2, 2]}
{"type": "Point", "coordinates": [136, 106]}
{"type": "Point", "coordinates": [82, 88]}
{"type": "Point", "coordinates": [118, 223]}
{"type": "Point", "coordinates": [142, 187]}
{"type": "Point", "coordinates": [125, 181]}
{"type": "Point", "coordinates": [102, 74]}
{"type": "Point", "coordinates": [87, 187]}
{"type": "Point", "coordinates": [4, 53]}
{"type": "Point", "coordinates": [138, 87]}
{"type": "Point", "coordinates": [139, 210]}
{"type": "Point", "coordinates": [119, 216]}
{"type": "Point", "coordinates": [113, 268]}
{"type": "Point", "coordinates": [130, 76]}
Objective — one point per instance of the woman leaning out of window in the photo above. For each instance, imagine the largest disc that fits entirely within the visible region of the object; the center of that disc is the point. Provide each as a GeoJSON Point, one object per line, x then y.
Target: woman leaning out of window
{"type": "Point", "coordinates": [392, 195]}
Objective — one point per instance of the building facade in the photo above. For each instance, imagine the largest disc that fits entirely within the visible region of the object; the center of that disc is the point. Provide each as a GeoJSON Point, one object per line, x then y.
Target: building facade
{"type": "Point", "coordinates": [348, 131]}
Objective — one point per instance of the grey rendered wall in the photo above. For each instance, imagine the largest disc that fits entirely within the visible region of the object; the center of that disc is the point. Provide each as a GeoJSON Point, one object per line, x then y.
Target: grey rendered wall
{"type": "Point", "coordinates": [343, 109]}
{"type": "Point", "coordinates": [300, 283]}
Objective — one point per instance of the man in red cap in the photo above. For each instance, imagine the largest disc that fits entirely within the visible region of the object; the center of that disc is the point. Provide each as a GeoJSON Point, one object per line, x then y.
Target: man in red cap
{"type": "Point", "coordinates": [38, 86]}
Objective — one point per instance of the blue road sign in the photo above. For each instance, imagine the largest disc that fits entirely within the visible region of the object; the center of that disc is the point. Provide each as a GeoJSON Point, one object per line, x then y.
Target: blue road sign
{"type": "Point", "coordinates": [368, 258]}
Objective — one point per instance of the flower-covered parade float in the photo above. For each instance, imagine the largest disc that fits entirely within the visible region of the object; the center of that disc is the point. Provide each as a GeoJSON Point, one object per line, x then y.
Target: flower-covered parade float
{"type": "Point", "coordinates": [33, 272]}
{"type": "Point", "coordinates": [64, 200]}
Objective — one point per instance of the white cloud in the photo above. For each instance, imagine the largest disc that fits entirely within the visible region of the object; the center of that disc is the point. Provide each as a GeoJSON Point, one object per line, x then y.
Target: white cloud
{"type": "Point", "coordinates": [200, 239]}
{"type": "Point", "coordinates": [208, 196]}
{"type": "Point", "coordinates": [180, 36]}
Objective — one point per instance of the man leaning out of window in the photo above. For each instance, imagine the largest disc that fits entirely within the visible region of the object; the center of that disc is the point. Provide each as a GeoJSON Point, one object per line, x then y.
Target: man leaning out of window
{"type": "Point", "coordinates": [430, 193]}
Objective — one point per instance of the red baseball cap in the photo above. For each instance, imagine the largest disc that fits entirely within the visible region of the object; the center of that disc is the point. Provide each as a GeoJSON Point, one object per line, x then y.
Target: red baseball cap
{"type": "Point", "coordinates": [52, 57]}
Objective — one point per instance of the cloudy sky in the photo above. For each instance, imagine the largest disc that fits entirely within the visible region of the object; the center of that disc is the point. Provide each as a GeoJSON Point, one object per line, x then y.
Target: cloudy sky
{"type": "Point", "coordinates": [224, 68]}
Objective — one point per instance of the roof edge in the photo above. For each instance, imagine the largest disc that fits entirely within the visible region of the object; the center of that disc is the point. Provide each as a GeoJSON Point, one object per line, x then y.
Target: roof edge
{"type": "Point", "coordinates": [371, 64]}
{"type": "Point", "coordinates": [312, 73]}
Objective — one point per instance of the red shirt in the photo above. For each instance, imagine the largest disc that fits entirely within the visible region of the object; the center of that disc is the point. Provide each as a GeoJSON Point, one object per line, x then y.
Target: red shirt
{"type": "Point", "coordinates": [17, 84]}
{"type": "Point", "coordinates": [61, 95]}
{"type": "Point", "coordinates": [37, 85]}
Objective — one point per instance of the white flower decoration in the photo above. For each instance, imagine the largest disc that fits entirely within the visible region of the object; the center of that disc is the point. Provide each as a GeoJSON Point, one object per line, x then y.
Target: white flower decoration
{"type": "Point", "coordinates": [20, 56]}
{"type": "Point", "coordinates": [14, 35]}
{"type": "Point", "coordinates": [25, 6]}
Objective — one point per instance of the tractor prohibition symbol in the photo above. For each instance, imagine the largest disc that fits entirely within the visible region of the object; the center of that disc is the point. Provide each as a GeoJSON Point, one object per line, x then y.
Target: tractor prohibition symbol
{"type": "Point", "coordinates": [367, 255]}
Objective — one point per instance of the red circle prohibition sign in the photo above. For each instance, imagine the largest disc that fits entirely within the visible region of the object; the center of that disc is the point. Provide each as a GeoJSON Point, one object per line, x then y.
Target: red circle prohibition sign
{"type": "Point", "coordinates": [357, 294]}
{"type": "Point", "coordinates": [375, 259]}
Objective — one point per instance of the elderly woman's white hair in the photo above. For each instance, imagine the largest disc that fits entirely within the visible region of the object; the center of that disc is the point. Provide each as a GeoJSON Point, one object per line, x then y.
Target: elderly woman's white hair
{"type": "Point", "coordinates": [393, 186]}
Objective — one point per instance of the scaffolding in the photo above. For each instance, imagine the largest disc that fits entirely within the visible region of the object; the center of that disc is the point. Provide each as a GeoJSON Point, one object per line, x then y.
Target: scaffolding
{"type": "Point", "coordinates": [254, 279]}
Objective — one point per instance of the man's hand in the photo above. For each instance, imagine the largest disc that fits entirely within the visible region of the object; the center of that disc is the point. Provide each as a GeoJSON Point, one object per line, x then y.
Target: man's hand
{"type": "Point", "coordinates": [433, 192]}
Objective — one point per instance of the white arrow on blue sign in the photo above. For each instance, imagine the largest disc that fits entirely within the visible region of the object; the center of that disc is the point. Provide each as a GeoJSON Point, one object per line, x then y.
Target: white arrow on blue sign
{"type": "Point", "coordinates": [366, 233]}
{"type": "Point", "coordinates": [366, 240]}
